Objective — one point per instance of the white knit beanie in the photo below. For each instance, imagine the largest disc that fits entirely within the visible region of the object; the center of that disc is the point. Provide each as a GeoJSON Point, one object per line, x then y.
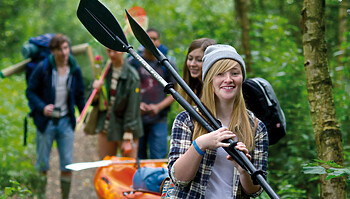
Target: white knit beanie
{"type": "Point", "coordinates": [213, 53]}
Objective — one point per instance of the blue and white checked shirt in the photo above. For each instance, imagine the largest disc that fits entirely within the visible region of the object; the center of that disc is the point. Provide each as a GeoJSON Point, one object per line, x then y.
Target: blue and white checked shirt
{"type": "Point", "coordinates": [180, 142]}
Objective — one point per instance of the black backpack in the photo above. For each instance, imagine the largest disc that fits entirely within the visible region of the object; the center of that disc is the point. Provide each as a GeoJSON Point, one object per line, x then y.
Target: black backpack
{"type": "Point", "coordinates": [261, 99]}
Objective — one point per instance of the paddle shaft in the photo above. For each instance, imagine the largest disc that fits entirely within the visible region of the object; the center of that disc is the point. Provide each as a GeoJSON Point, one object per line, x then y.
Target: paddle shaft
{"type": "Point", "coordinates": [88, 103]}
{"type": "Point", "coordinates": [103, 163]}
{"type": "Point", "coordinates": [141, 161]}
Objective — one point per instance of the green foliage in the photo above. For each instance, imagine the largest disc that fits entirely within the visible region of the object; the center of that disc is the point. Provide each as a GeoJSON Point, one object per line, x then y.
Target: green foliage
{"type": "Point", "coordinates": [330, 168]}
{"type": "Point", "coordinates": [276, 44]}
{"type": "Point", "coordinates": [16, 190]}
{"type": "Point", "coordinates": [16, 161]}
{"type": "Point", "coordinates": [277, 58]}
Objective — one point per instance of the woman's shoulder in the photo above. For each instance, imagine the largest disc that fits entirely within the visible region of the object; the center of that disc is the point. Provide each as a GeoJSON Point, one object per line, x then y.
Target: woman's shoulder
{"type": "Point", "coordinates": [132, 73]}
{"type": "Point", "coordinates": [252, 117]}
{"type": "Point", "coordinates": [250, 114]}
{"type": "Point", "coordinates": [182, 123]}
{"type": "Point", "coordinates": [183, 116]}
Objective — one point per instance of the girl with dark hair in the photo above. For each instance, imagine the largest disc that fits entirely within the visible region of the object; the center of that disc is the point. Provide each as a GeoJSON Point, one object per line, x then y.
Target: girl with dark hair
{"type": "Point", "coordinates": [192, 69]}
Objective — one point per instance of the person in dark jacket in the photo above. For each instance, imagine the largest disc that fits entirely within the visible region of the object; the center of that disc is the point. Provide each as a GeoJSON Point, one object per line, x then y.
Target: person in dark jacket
{"type": "Point", "coordinates": [120, 125]}
{"type": "Point", "coordinates": [54, 88]}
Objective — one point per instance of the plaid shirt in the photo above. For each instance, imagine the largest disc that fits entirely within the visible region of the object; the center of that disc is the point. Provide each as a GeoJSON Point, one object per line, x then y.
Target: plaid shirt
{"type": "Point", "coordinates": [180, 142]}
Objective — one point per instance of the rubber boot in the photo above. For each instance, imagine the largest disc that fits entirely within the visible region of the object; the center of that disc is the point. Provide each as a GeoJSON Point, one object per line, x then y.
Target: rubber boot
{"type": "Point", "coordinates": [65, 187]}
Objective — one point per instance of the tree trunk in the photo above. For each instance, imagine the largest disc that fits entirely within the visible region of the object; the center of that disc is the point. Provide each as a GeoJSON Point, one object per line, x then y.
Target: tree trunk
{"type": "Point", "coordinates": [262, 6]}
{"type": "Point", "coordinates": [281, 7]}
{"type": "Point", "coordinates": [343, 6]}
{"type": "Point", "coordinates": [319, 85]}
{"type": "Point", "coordinates": [241, 9]}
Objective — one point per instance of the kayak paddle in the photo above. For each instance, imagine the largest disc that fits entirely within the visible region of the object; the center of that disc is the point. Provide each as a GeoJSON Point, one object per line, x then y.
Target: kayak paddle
{"type": "Point", "coordinates": [103, 163]}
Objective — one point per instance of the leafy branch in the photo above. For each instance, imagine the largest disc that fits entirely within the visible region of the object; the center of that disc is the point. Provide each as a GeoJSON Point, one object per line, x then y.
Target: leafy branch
{"type": "Point", "coordinates": [330, 168]}
{"type": "Point", "coordinates": [16, 190]}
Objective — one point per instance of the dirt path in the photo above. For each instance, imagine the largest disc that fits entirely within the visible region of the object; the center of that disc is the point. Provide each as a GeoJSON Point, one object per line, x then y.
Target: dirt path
{"type": "Point", "coordinates": [85, 150]}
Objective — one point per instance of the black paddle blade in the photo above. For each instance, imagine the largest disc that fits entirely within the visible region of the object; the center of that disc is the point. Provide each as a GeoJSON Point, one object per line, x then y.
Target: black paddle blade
{"type": "Point", "coordinates": [102, 25]}
{"type": "Point", "coordinates": [142, 36]}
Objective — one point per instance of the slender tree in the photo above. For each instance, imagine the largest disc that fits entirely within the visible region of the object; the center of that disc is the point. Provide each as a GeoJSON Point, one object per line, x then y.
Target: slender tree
{"type": "Point", "coordinates": [319, 84]}
{"type": "Point", "coordinates": [281, 6]}
{"type": "Point", "coordinates": [343, 6]}
{"type": "Point", "coordinates": [262, 5]}
{"type": "Point", "coordinates": [241, 10]}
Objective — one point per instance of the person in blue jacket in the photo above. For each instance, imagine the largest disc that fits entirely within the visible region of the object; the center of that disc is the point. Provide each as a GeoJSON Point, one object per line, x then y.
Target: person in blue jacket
{"type": "Point", "coordinates": [54, 88]}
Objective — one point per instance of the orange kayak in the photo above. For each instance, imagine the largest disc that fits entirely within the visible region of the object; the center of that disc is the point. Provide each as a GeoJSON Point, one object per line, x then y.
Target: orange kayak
{"type": "Point", "coordinates": [115, 181]}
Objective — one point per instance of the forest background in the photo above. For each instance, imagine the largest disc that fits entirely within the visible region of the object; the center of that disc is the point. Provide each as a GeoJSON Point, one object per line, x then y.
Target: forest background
{"type": "Point", "coordinates": [275, 37]}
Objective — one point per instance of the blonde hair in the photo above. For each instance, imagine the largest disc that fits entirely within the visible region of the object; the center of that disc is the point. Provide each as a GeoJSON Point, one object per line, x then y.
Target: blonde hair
{"type": "Point", "coordinates": [239, 123]}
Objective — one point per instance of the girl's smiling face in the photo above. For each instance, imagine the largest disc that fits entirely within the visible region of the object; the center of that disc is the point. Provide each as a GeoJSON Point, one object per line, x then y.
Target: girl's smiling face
{"type": "Point", "coordinates": [227, 84]}
{"type": "Point", "coordinates": [194, 63]}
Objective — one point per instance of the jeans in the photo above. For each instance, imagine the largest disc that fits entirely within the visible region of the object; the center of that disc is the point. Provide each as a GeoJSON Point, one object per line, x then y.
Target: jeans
{"type": "Point", "coordinates": [64, 136]}
{"type": "Point", "coordinates": [156, 136]}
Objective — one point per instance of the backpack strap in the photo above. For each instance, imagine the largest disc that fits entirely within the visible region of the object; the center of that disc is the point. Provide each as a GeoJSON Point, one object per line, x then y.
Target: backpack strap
{"type": "Point", "coordinates": [25, 129]}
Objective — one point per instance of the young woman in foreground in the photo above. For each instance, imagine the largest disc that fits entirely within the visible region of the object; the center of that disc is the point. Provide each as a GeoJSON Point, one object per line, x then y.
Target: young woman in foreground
{"type": "Point", "coordinates": [198, 165]}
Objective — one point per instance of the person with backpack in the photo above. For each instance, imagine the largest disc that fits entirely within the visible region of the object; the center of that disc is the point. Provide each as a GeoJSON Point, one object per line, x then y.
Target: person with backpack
{"type": "Point", "coordinates": [198, 165]}
{"type": "Point", "coordinates": [258, 93]}
{"type": "Point", "coordinates": [120, 125]}
{"type": "Point", "coordinates": [155, 104]}
{"type": "Point", "coordinates": [54, 88]}
{"type": "Point", "coordinates": [192, 68]}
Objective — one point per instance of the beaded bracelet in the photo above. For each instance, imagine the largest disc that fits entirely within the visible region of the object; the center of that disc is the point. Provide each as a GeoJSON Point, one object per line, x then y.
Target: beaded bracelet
{"type": "Point", "coordinates": [197, 148]}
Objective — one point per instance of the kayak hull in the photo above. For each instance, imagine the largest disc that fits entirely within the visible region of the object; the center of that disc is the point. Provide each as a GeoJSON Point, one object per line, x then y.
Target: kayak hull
{"type": "Point", "coordinates": [115, 181]}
